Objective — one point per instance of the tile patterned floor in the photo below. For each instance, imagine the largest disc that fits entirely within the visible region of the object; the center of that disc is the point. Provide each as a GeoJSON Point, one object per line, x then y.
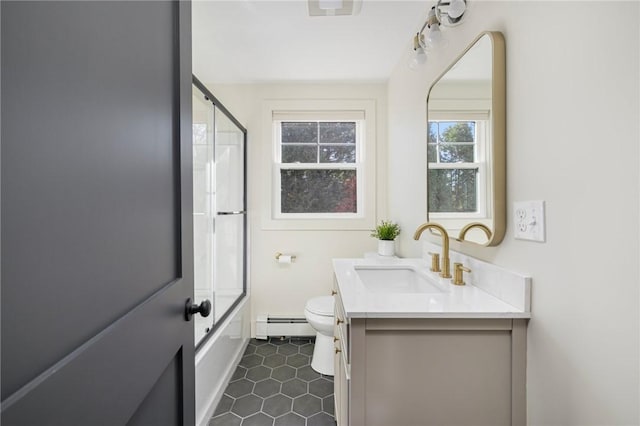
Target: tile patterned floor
{"type": "Point", "coordinates": [274, 385]}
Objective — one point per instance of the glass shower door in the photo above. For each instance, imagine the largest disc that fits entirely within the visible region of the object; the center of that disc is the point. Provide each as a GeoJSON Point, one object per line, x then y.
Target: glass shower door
{"type": "Point", "coordinates": [203, 208]}
{"type": "Point", "coordinates": [219, 216]}
{"type": "Point", "coordinates": [230, 217]}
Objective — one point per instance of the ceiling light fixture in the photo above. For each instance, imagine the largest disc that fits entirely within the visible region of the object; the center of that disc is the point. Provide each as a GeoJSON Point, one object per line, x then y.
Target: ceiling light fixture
{"type": "Point", "coordinates": [445, 13]}
{"type": "Point", "coordinates": [330, 4]}
{"type": "Point", "coordinates": [334, 7]}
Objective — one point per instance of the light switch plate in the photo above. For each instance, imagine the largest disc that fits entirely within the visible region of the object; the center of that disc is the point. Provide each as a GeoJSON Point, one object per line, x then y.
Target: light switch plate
{"type": "Point", "coordinates": [528, 217]}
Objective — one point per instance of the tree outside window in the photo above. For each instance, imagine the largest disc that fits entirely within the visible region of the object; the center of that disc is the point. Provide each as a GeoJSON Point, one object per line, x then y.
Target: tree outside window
{"type": "Point", "coordinates": [452, 154]}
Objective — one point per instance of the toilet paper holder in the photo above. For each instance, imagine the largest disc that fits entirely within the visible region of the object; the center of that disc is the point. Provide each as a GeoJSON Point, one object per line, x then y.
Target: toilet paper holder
{"type": "Point", "coordinates": [278, 255]}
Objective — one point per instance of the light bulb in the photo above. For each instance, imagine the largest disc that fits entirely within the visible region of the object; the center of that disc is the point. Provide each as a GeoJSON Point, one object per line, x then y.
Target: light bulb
{"type": "Point", "coordinates": [418, 58]}
{"type": "Point", "coordinates": [456, 8]}
{"type": "Point", "coordinates": [435, 39]}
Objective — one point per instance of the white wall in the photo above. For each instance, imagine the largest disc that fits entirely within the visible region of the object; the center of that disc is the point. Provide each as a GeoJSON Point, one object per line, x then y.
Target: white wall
{"type": "Point", "coordinates": [572, 140]}
{"type": "Point", "coordinates": [284, 289]}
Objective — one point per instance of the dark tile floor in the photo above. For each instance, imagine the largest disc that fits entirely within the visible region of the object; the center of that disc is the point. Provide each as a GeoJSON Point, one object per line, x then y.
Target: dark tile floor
{"type": "Point", "coordinates": [274, 385]}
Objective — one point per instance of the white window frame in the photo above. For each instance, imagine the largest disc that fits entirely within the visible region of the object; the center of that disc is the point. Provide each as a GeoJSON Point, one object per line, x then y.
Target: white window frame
{"type": "Point", "coordinates": [481, 119]}
{"type": "Point", "coordinates": [278, 166]}
{"type": "Point", "coordinates": [363, 112]}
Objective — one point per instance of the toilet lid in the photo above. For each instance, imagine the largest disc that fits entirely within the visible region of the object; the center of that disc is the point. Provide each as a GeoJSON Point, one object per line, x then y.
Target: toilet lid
{"type": "Point", "coordinates": [322, 305]}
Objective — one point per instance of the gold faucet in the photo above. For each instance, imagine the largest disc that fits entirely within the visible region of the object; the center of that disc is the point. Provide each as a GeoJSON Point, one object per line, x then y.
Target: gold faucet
{"type": "Point", "coordinates": [458, 269]}
{"type": "Point", "coordinates": [445, 269]}
{"type": "Point", "coordinates": [472, 225]}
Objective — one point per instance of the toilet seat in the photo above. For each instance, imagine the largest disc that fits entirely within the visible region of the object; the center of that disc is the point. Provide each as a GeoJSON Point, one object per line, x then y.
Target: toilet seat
{"type": "Point", "coordinates": [322, 305]}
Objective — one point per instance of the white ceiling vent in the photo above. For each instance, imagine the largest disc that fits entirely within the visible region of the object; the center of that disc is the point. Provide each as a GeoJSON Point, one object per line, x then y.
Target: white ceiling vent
{"type": "Point", "coordinates": [334, 7]}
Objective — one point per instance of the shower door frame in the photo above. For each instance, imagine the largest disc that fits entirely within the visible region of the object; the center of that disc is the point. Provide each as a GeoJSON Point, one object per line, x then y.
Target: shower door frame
{"type": "Point", "coordinates": [218, 105]}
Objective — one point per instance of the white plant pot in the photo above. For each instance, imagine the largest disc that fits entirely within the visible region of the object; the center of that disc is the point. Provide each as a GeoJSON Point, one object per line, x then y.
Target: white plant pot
{"type": "Point", "coordinates": [386, 247]}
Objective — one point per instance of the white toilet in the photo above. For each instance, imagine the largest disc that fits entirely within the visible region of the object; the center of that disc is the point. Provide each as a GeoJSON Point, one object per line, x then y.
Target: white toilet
{"type": "Point", "coordinates": [319, 313]}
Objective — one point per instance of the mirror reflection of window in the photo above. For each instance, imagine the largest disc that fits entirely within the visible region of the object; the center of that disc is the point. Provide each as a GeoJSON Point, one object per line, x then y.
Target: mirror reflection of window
{"type": "Point", "coordinates": [456, 152]}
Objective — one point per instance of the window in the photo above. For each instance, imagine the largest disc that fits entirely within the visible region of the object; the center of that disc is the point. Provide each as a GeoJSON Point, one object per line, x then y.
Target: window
{"type": "Point", "coordinates": [457, 181]}
{"type": "Point", "coordinates": [318, 166]}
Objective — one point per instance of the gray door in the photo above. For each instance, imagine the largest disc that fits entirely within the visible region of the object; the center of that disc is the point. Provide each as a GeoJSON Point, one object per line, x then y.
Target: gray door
{"type": "Point", "coordinates": [96, 213]}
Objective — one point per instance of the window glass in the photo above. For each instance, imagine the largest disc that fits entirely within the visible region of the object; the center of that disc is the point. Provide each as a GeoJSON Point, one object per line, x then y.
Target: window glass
{"type": "Point", "coordinates": [453, 190]}
{"type": "Point", "coordinates": [299, 153]}
{"type": "Point", "coordinates": [337, 132]}
{"type": "Point", "coordinates": [456, 131]}
{"type": "Point", "coordinates": [338, 154]}
{"type": "Point", "coordinates": [451, 142]}
{"type": "Point", "coordinates": [318, 191]}
{"type": "Point", "coordinates": [299, 132]}
{"type": "Point", "coordinates": [450, 153]}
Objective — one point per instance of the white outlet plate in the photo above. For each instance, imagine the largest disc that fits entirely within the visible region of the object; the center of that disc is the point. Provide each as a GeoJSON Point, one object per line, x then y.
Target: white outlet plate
{"type": "Point", "coordinates": [528, 219]}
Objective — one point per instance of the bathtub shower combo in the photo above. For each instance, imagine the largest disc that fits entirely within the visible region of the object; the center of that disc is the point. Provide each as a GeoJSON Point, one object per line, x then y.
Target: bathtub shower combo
{"type": "Point", "coordinates": [219, 225]}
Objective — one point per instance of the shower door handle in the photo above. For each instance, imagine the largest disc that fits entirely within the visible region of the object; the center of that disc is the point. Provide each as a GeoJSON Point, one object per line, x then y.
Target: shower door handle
{"type": "Point", "coordinates": [203, 309]}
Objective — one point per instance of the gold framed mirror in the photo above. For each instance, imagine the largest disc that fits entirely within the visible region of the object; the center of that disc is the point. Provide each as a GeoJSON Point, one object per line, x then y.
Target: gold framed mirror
{"type": "Point", "coordinates": [466, 144]}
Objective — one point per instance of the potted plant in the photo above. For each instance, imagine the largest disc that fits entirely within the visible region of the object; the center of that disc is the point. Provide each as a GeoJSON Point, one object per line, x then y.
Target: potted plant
{"type": "Point", "coordinates": [386, 233]}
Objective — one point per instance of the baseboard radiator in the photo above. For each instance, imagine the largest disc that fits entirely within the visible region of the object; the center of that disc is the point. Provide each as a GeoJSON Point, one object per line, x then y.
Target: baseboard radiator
{"type": "Point", "coordinates": [278, 326]}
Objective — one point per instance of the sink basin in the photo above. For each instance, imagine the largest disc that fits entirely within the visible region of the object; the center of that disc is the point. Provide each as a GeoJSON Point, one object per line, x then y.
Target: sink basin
{"type": "Point", "coordinates": [395, 280]}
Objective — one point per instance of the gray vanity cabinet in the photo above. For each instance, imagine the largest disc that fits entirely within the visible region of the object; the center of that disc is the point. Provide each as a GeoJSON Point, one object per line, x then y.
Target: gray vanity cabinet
{"type": "Point", "coordinates": [341, 365]}
{"type": "Point", "coordinates": [430, 371]}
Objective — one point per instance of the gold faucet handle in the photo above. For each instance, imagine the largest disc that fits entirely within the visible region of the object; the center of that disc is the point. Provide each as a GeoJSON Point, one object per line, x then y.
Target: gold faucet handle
{"type": "Point", "coordinates": [435, 262]}
{"type": "Point", "coordinates": [458, 270]}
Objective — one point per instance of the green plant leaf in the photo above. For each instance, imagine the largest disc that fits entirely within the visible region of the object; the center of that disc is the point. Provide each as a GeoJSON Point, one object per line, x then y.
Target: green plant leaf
{"type": "Point", "coordinates": [387, 230]}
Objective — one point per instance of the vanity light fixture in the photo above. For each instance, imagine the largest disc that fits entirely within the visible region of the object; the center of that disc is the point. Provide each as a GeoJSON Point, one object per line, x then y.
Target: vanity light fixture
{"type": "Point", "coordinates": [445, 13]}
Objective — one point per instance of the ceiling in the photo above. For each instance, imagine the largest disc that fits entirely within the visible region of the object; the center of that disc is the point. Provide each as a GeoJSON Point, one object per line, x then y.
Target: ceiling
{"type": "Point", "coordinates": [249, 41]}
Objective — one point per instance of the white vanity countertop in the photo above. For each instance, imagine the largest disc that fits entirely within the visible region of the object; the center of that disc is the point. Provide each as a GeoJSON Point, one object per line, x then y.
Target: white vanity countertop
{"type": "Point", "coordinates": [468, 301]}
